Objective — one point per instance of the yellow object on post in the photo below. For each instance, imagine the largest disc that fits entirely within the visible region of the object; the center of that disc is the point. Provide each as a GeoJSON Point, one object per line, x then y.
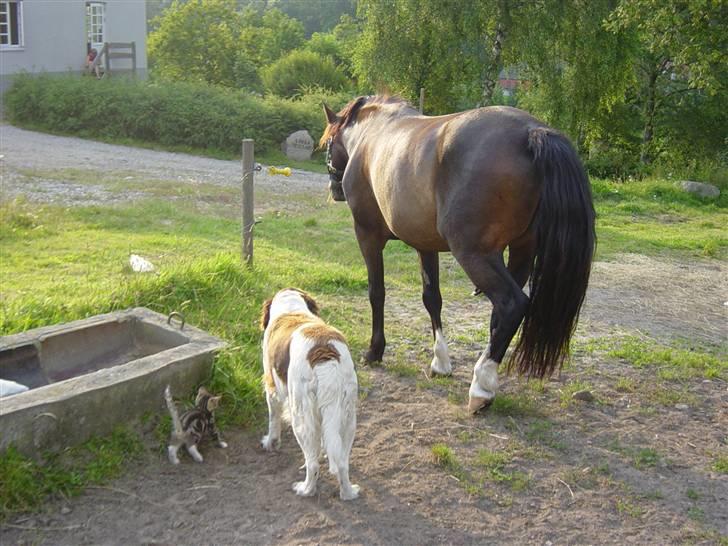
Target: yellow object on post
{"type": "Point", "coordinates": [285, 171]}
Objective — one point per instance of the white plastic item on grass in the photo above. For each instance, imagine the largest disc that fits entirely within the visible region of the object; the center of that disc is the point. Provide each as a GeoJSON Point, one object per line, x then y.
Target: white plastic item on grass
{"type": "Point", "coordinates": [139, 264]}
{"type": "Point", "coordinates": [8, 387]}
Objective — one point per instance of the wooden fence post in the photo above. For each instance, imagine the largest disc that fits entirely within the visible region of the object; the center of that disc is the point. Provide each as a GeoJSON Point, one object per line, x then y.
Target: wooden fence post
{"type": "Point", "coordinates": [422, 100]}
{"type": "Point", "coordinates": [107, 61]}
{"type": "Point", "coordinates": [248, 211]}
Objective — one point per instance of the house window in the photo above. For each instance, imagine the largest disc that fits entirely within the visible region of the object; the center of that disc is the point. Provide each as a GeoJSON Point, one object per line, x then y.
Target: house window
{"type": "Point", "coordinates": [11, 23]}
{"type": "Point", "coordinates": [95, 24]}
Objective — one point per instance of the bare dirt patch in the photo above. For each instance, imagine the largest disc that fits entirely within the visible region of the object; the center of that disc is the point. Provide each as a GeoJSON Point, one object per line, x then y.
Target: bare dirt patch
{"type": "Point", "coordinates": [637, 464]}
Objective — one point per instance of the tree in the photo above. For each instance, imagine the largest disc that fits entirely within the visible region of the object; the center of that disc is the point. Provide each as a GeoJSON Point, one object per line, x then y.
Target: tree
{"type": "Point", "coordinates": [411, 44]}
{"type": "Point", "coordinates": [266, 37]}
{"type": "Point", "coordinates": [197, 41]}
{"type": "Point", "coordinates": [578, 70]}
{"type": "Point", "coordinates": [301, 70]}
{"type": "Point", "coordinates": [681, 64]}
{"type": "Point", "coordinates": [315, 15]}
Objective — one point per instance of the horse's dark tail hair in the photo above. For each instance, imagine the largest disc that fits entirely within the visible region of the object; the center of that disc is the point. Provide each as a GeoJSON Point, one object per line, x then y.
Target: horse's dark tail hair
{"type": "Point", "coordinates": [566, 241]}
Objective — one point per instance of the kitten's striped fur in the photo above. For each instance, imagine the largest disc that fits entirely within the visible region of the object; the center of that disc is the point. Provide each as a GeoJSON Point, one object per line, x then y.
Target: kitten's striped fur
{"type": "Point", "coordinates": [193, 426]}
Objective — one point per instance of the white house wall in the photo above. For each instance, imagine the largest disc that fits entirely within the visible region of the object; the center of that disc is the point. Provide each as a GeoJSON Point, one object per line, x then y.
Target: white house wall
{"type": "Point", "coordinates": [126, 21]}
{"type": "Point", "coordinates": [54, 36]}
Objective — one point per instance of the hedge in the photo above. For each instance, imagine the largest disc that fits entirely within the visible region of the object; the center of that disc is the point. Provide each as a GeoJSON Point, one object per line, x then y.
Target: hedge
{"type": "Point", "coordinates": [177, 114]}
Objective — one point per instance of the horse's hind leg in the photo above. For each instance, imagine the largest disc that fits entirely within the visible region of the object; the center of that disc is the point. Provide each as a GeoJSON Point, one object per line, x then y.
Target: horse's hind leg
{"type": "Point", "coordinates": [520, 265]}
{"type": "Point", "coordinates": [489, 274]}
{"type": "Point", "coordinates": [430, 269]}
{"type": "Point", "coordinates": [371, 246]}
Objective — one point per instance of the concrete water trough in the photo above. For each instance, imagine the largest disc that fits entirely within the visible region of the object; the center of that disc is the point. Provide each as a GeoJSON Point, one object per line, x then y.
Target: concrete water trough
{"type": "Point", "coordinates": [88, 376]}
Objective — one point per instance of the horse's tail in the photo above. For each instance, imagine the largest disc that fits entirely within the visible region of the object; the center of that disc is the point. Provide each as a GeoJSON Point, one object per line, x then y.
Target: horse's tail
{"type": "Point", "coordinates": [566, 240]}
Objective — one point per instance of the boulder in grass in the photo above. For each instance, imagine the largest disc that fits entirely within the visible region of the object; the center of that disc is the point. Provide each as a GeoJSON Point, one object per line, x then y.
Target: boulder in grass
{"type": "Point", "coordinates": [298, 145]}
{"type": "Point", "coordinates": [700, 189]}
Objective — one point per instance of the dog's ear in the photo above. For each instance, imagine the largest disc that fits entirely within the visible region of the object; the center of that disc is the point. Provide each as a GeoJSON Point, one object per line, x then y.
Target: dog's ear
{"type": "Point", "coordinates": [265, 314]}
{"type": "Point", "coordinates": [310, 303]}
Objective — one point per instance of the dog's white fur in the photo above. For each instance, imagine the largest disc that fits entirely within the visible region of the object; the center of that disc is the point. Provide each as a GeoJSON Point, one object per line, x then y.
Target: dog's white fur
{"type": "Point", "coordinates": [321, 399]}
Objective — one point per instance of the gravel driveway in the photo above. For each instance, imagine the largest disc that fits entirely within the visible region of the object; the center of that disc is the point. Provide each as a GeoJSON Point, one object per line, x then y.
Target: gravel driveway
{"type": "Point", "coordinates": [32, 164]}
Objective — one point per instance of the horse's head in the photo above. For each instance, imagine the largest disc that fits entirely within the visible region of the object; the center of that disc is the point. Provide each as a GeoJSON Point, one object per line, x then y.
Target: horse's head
{"type": "Point", "coordinates": [337, 157]}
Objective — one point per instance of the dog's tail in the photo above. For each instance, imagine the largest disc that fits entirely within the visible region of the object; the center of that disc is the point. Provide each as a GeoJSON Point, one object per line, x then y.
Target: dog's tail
{"type": "Point", "coordinates": [176, 423]}
{"type": "Point", "coordinates": [336, 395]}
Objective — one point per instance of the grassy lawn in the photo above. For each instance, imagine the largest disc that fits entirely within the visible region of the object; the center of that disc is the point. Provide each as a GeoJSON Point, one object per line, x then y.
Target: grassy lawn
{"type": "Point", "coordinates": [59, 264]}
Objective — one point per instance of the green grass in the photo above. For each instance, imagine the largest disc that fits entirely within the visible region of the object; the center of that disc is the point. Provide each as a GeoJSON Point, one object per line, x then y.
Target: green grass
{"type": "Point", "coordinates": [494, 464]}
{"type": "Point", "coordinates": [645, 458]}
{"type": "Point", "coordinates": [641, 458]}
{"type": "Point", "coordinates": [25, 484]}
{"type": "Point", "coordinates": [542, 431]}
{"type": "Point", "coordinates": [60, 264]}
{"type": "Point", "coordinates": [566, 395]}
{"type": "Point", "coordinates": [444, 457]}
{"type": "Point", "coordinates": [670, 363]}
{"type": "Point", "coordinates": [519, 404]}
{"type": "Point", "coordinates": [655, 217]}
{"type": "Point", "coordinates": [696, 513]}
{"type": "Point", "coordinates": [720, 464]}
{"type": "Point", "coordinates": [402, 369]}
{"type": "Point", "coordinates": [629, 508]}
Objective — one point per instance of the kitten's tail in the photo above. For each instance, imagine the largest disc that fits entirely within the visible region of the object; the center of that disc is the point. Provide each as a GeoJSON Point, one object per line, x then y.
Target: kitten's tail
{"type": "Point", "coordinates": [176, 423]}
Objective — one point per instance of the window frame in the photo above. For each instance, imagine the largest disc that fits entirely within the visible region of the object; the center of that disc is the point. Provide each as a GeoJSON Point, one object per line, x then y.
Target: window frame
{"type": "Point", "coordinates": [93, 25]}
{"type": "Point", "coordinates": [19, 31]}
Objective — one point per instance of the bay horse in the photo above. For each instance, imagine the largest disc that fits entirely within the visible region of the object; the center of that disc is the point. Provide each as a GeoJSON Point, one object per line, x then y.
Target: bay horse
{"type": "Point", "coordinates": [472, 183]}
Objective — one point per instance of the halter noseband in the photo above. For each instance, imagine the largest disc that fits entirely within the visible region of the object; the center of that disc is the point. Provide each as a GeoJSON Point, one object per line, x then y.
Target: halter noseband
{"type": "Point", "coordinates": [336, 174]}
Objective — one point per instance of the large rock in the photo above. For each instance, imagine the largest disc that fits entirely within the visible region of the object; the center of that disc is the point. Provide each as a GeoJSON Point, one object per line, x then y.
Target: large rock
{"type": "Point", "coordinates": [698, 188]}
{"type": "Point", "coordinates": [298, 146]}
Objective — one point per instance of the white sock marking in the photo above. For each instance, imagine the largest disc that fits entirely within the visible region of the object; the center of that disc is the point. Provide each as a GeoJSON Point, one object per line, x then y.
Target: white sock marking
{"type": "Point", "coordinates": [485, 378]}
{"type": "Point", "coordinates": [441, 364]}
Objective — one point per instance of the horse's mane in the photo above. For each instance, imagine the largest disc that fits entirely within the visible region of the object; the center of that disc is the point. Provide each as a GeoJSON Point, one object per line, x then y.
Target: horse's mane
{"type": "Point", "coordinates": [349, 113]}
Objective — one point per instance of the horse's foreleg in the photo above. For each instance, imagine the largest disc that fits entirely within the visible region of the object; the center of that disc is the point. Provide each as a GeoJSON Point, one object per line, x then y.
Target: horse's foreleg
{"type": "Point", "coordinates": [430, 269]}
{"type": "Point", "coordinates": [371, 248]}
{"type": "Point", "coordinates": [489, 274]}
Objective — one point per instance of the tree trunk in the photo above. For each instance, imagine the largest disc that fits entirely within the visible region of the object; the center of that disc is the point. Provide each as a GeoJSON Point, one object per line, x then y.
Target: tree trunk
{"type": "Point", "coordinates": [649, 130]}
{"type": "Point", "coordinates": [494, 67]}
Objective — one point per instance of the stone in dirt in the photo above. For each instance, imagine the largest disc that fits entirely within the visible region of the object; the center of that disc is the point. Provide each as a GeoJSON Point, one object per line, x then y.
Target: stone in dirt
{"type": "Point", "coordinates": [298, 145]}
{"type": "Point", "coordinates": [584, 396]}
{"type": "Point", "coordinates": [699, 188]}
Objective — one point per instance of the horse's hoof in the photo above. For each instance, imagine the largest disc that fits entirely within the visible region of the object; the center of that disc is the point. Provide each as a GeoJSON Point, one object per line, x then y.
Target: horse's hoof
{"type": "Point", "coordinates": [477, 404]}
{"type": "Point", "coordinates": [372, 359]}
{"type": "Point", "coordinates": [434, 373]}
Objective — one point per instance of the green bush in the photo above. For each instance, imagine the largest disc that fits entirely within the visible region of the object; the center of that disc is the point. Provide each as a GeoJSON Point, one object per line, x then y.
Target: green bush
{"type": "Point", "coordinates": [614, 162]}
{"type": "Point", "coordinates": [290, 75]}
{"type": "Point", "coordinates": [171, 114]}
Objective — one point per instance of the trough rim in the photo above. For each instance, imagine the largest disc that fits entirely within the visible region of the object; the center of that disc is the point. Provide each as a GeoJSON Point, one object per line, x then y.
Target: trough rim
{"type": "Point", "coordinates": [198, 342]}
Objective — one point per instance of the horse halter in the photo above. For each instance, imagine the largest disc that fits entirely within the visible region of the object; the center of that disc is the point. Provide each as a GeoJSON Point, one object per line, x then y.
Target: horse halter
{"type": "Point", "coordinates": [334, 173]}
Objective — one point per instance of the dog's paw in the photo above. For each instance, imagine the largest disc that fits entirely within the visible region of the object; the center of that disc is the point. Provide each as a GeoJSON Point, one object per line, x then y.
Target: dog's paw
{"type": "Point", "coordinates": [303, 489]}
{"type": "Point", "coordinates": [351, 494]}
{"type": "Point", "coordinates": [222, 444]}
{"type": "Point", "coordinates": [268, 443]}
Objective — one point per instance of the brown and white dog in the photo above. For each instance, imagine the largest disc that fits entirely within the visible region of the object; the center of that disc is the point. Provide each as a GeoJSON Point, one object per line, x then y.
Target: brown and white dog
{"type": "Point", "coordinates": [307, 363]}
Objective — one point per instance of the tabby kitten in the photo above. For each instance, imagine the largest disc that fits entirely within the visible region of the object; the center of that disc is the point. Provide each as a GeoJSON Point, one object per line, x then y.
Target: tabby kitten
{"type": "Point", "coordinates": [193, 426]}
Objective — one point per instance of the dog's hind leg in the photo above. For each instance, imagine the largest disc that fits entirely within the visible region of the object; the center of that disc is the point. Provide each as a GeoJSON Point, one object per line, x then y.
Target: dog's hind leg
{"type": "Point", "coordinates": [338, 425]}
{"type": "Point", "coordinates": [309, 439]}
{"type": "Point", "coordinates": [347, 490]}
{"type": "Point", "coordinates": [307, 431]}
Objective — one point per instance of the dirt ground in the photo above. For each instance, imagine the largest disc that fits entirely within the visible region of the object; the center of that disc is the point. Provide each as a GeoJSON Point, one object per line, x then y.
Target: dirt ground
{"type": "Point", "coordinates": [634, 465]}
